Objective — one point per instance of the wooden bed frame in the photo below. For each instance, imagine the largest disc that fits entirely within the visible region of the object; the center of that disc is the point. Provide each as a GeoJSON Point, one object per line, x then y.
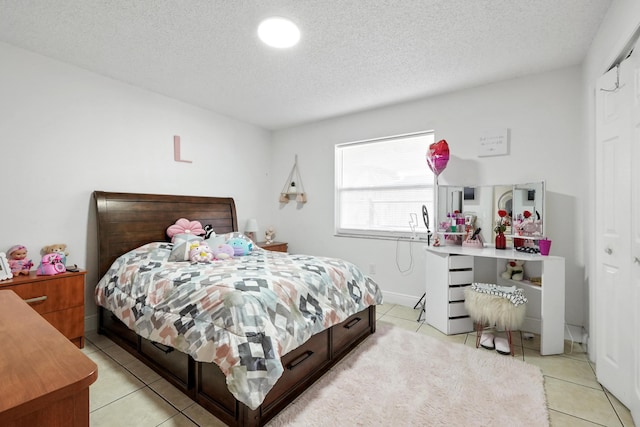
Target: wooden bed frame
{"type": "Point", "coordinates": [127, 221]}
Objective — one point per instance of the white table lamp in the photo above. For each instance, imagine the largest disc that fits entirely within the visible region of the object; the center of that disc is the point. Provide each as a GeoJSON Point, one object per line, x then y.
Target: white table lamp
{"type": "Point", "coordinates": [251, 228]}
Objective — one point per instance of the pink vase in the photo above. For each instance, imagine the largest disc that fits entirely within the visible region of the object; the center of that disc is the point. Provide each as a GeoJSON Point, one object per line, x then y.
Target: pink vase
{"type": "Point", "coordinates": [545, 246]}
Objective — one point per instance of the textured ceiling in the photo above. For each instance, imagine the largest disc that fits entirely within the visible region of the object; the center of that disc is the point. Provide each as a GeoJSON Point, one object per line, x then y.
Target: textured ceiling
{"type": "Point", "coordinates": [353, 54]}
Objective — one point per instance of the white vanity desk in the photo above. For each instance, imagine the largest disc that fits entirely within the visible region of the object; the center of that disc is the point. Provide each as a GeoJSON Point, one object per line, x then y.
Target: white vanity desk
{"type": "Point", "coordinates": [451, 268]}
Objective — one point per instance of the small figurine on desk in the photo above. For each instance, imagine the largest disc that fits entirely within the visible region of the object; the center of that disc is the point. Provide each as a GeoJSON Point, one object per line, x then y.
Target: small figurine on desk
{"type": "Point", "coordinates": [269, 234]}
{"type": "Point", "coordinates": [18, 261]}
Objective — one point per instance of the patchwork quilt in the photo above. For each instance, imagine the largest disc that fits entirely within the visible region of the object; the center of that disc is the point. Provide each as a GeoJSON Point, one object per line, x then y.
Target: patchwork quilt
{"type": "Point", "coordinates": [242, 314]}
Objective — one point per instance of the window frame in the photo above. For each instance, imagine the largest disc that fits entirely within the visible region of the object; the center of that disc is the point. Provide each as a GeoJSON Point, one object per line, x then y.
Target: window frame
{"type": "Point", "coordinates": [420, 230]}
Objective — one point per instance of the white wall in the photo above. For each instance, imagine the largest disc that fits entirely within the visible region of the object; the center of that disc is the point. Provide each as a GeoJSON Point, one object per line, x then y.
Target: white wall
{"type": "Point", "coordinates": [618, 27]}
{"type": "Point", "coordinates": [543, 113]}
{"type": "Point", "coordinates": [67, 132]}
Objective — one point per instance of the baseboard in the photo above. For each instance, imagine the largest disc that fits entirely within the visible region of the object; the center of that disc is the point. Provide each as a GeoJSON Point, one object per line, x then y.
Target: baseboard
{"type": "Point", "coordinates": [574, 333]}
{"type": "Point", "coordinates": [400, 299]}
{"type": "Point", "coordinates": [91, 323]}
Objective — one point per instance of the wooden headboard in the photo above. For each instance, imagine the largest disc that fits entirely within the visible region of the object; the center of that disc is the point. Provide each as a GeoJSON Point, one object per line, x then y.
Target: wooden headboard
{"type": "Point", "coordinates": [128, 220]}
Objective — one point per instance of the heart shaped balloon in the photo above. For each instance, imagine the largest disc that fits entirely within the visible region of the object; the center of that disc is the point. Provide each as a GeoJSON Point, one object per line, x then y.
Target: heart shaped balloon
{"type": "Point", "coordinates": [438, 156]}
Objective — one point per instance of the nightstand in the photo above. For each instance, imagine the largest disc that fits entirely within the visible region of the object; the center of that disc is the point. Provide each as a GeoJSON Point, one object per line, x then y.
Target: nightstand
{"type": "Point", "coordinates": [59, 299]}
{"type": "Point", "coordinates": [274, 246]}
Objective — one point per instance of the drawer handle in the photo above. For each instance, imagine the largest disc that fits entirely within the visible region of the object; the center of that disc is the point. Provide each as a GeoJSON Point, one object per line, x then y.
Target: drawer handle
{"type": "Point", "coordinates": [36, 299]}
{"type": "Point", "coordinates": [352, 323]}
{"type": "Point", "coordinates": [163, 348]}
{"type": "Point", "coordinates": [298, 360]}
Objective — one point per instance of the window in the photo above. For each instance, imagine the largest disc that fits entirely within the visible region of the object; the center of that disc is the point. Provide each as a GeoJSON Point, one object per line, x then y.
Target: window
{"type": "Point", "coordinates": [380, 183]}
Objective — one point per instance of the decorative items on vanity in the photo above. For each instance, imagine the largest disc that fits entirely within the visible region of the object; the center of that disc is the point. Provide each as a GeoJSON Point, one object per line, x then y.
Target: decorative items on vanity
{"type": "Point", "coordinates": [501, 215]}
{"type": "Point", "coordinates": [473, 240]}
{"type": "Point", "coordinates": [501, 227]}
{"type": "Point", "coordinates": [545, 246]}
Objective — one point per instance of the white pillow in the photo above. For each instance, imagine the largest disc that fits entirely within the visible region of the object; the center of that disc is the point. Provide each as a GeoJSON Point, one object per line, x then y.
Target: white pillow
{"type": "Point", "coordinates": [182, 244]}
{"type": "Point", "coordinates": [214, 241]}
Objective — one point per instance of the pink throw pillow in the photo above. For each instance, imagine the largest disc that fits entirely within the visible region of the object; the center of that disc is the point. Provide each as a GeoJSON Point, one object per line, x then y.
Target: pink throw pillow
{"type": "Point", "coordinates": [184, 226]}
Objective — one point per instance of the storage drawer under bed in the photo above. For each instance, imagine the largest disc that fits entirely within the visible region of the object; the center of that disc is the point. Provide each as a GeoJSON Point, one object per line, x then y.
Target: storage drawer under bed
{"type": "Point", "coordinates": [116, 330]}
{"type": "Point", "coordinates": [344, 333]}
{"type": "Point", "coordinates": [173, 361]}
{"type": "Point", "coordinates": [300, 363]}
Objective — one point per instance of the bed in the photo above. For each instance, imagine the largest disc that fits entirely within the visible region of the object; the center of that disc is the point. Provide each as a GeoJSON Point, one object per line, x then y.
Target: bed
{"type": "Point", "coordinates": [286, 356]}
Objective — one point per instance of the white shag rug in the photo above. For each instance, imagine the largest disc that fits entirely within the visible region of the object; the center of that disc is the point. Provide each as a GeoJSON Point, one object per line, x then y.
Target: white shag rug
{"type": "Point", "coordinates": [402, 378]}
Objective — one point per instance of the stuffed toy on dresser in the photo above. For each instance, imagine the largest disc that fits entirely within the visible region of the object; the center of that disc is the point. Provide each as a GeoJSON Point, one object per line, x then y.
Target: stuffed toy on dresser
{"type": "Point", "coordinates": [18, 261]}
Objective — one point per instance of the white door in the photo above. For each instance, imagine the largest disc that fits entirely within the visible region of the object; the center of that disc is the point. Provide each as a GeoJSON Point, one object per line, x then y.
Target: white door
{"type": "Point", "coordinates": [634, 259]}
{"type": "Point", "coordinates": [613, 227]}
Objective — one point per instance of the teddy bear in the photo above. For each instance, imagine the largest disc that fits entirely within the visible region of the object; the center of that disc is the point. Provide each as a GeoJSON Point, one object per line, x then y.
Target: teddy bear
{"type": "Point", "coordinates": [514, 270]}
{"type": "Point", "coordinates": [18, 261]}
{"type": "Point", "coordinates": [59, 248]}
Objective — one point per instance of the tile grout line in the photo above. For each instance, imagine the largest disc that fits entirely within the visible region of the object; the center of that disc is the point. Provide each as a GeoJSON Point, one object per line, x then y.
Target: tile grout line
{"type": "Point", "coordinates": [146, 385]}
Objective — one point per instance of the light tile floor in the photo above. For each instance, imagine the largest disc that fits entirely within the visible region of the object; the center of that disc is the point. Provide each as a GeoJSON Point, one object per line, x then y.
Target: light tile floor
{"type": "Point", "coordinates": [128, 393]}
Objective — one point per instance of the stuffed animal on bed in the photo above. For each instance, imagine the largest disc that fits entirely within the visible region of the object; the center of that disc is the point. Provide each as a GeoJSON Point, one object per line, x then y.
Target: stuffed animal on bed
{"type": "Point", "coordinates": [184, 226]}
{"type": "Point", "coordinates": [201, 253]}
{"type": "Point", "coordinates": [240, 246]}
{"type": "Point", "coordinates": [222, 252]}
{"type": "Point", "coordinates": [514, 270]}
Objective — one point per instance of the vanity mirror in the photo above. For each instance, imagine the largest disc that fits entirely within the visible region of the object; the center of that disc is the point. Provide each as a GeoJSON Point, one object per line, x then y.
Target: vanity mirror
{"type": "Point", "coordinates": [462, 210]}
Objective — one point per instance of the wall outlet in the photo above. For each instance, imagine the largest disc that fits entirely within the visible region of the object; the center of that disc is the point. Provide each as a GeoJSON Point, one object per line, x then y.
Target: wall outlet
{"type": "Point", "coordinates": [372, 269]}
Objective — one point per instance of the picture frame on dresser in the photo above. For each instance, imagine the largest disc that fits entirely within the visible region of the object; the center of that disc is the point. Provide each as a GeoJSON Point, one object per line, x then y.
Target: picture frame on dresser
{"type": "Point", "coordinates": [5, 270]}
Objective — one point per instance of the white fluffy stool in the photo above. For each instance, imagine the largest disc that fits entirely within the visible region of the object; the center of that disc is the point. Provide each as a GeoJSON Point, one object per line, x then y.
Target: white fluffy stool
{"type": "Point", "coordinates": [489, 304]}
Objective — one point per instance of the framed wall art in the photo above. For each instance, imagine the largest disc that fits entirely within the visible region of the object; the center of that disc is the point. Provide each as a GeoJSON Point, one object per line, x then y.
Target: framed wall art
{"type": "Point", "coordinates": [5, 270]}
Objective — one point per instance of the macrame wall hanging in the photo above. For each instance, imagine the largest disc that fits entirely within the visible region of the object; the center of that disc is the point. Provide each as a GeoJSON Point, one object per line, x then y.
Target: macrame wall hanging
{"type": "Point", "coordinates": [293, 186]}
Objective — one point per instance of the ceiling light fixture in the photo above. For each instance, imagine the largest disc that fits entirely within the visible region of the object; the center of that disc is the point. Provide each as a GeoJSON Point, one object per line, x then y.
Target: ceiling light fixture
{"type": "Point", "coordinates": [278, 32]}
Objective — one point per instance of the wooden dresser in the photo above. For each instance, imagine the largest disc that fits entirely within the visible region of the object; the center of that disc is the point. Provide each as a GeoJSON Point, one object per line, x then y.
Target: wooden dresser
{"type": "Point", "coordinates": [274, 246]}
{"type": "Point", "coordinates": [45, 378]}
{"type": "Point", "coordinates": [59, 299]}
